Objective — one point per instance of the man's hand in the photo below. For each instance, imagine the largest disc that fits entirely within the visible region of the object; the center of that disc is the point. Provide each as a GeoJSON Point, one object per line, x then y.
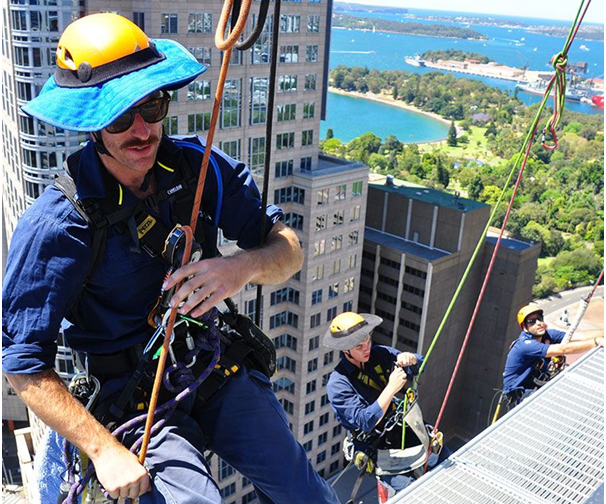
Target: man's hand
{"type": "Point", "coordinates": [212, 280]}
{"type": "Point", "coordinates": [120, 473]}
{"type": "Point", "coordinates": [406, 359]}
{"type": "Point", "coordinates": [397, 380]}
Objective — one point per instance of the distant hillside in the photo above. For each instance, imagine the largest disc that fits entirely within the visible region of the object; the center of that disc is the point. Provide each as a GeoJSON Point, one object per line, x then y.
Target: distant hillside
{"type": "Point", "coordinates": [437, 30]}
{"type": "Point", "coordinates": [349, 6]}
{"type": "Point", "coordinates": [454, 55]}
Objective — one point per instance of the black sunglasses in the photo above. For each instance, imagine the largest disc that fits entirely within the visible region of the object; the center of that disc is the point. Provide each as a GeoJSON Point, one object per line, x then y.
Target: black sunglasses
{"type": "Point", "coordinates": [152, 111]}
{"type": "Point", "coordinates": [534, 320]}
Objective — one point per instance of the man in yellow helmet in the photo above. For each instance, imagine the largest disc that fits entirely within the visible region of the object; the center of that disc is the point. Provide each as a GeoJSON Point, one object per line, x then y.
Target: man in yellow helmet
{"type": "Point", "coordinates": [362, 391]}
{"type": "Point", "coordinates": [526, 367]}
{"type": "Point", "coordinates": [92, 261]}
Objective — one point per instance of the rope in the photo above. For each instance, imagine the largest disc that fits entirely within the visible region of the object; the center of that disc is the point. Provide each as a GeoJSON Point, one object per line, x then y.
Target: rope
{"type": "Point", "coordinates": [559, 61]}
{"type": "Point", "coordinates": [268, 136]}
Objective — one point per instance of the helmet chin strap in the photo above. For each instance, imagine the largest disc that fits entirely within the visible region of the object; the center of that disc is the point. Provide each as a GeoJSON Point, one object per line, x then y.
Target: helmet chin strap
{"type": "Point", "coordinates": [98, 143]}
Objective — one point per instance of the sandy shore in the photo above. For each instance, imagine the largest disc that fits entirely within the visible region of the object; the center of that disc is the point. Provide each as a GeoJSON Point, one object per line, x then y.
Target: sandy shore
{"type": "Point", "coordinates": [388, 101]}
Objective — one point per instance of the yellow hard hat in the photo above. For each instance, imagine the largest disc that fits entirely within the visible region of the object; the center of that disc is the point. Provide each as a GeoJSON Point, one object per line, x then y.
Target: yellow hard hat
{"type": "Point", "coordinates": [349, 329]}
{"type": "Point", "coordinates": [525, 311]}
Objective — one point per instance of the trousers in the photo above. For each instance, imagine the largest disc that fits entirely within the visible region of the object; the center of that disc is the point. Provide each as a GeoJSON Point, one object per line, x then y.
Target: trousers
{"type": "Point", "coordinates": [245, 425]}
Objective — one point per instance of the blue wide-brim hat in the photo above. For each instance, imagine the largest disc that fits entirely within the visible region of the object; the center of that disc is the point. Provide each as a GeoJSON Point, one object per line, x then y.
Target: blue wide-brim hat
{"type": "Point", "coordinates": [93, 108]}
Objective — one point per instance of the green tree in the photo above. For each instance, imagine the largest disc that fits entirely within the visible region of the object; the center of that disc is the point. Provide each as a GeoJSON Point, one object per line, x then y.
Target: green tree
{"type": "Point", "coordinates": [475, 187]}
{"type": "Point", "coordinates": [330, 134]}
{"type": "Point", "coordinates": [451, 139]}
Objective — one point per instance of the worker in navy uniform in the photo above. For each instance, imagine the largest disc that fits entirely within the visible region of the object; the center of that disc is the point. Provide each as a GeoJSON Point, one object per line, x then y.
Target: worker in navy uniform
{"type": "Point", "coordinates": [362, 391]}
{"type": "Point", "coordinates": [113, 81]}
{"type": "Point", "coordinates": [527, 363]}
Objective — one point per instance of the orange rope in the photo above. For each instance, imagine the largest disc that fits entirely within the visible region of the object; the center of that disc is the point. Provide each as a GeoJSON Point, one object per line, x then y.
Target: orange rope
{"type": "Point", "coordinates": [189, 231]}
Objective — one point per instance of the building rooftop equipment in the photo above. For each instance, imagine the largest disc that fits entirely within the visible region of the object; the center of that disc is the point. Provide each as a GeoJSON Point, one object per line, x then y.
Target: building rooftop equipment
{"type": "Point", "coordinates": [549, 449]}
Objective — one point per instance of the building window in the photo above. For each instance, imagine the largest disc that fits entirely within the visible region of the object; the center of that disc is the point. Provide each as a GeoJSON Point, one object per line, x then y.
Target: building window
{"type": "Point", "coordinates": [262, 48]}
{"type": "Point", "coordinates": [323, 196]}
{"type": "Point", "coordinates": [313, 24]}
{"type": "Point", "coordinates": [228, 490]}
{"type": "Point", "coordinates": [317, 272]}
{"type": "Point", "coordinates": [329, 357]}
{"type": "Point", "coordinates": [256, 153]}
{"type": "Point", "coordinates": [289, 54]}
{"type": "Point", "coordinates": [231, 104]}
{"type": "Point", "coordinates": [314, 343]}
{"type": "Point", "coordinates": [306, 163]}
{"type": "Point", "coordinates": [341, 192]}
{"type": "Point", "coordinates": [308, 446]}
{"type": "Point", "coordinates": [294, 220]}
{"type": "Point", "coordinates": [312, 365]}
{"type": "Point", "coordinates": [202, 54]}
{"type": "Point", "coordinates": [249, 497]}
{"type": "Point", "coordinates": [309, 110]}
{"type": "Point", "coordinates": [290, 24]}
{"type": "Point", "coordinates": [336, 431]}
{"type": "Point", "coordinates": [321, 457]}
{"type": "Point", "coordinates": [331, 313]}
{"type": "Point", "coordinates": [349, 284]}
{"type": "Point", "coordinates": [322, 438]}
{"type": "Point", "coordinates": [338, 218]}
{"type": "Point", "coordinates": [355, 213]}
{"type": "Point", "coordinates": [287, 84]}
{"type": "Point", "coordinates": [352, 261]}
{"type": "Point", "coordinates": [169, 23]}
{"type": "Point", "coordinates": [319, 247]}
{"type": "Point", "coordinates": [310, 387]}
{"type": "Point", "coordinates": [285, 341]}
{"type": "Point", "coordinates": [285, 141]}
{"type": "Point", "coordinates": [333, 290]}
{"type": "Point", "coordinates": [285, 362]}
{"type": "Point", "coordinates": [323, 420]}
{"type": "Point", "coordinates": [198, 90]}
{"type": "Point", "coordinates": [287, 112]}
{"type": "Point", "coordinates": [258, 100]}
{"type": "Point", "coordinates": [316, 297]}
{"type": "Point", "coordinates": [284, 168]}
{"type": "Point", "coordinates": [310, 82]}
{"type": "Point", "coordinates": [335, 267]}
{"type": "Point", "coordinates": [315, 320]}
{"type": "Point", "coordinates": [171, 125]}
{"type": "Point", "coordinates": [288, 406]}
{"type": "Point", "coordinates": [139, 19]}
{"type": "Point", "coordinates": [284, 384]}
{"type": "Point", "coordinates": [284, 295]}
{"type": "Point", "coordinates": [311, 53]}
{"type": "Point", "coordinates": [353, 237]}
{"type": "Point", "coordinates": [356, 189]}
{"type": "Point", "coordinates": [307, 137]}
{"type": "Point", "coordinates": [320, 222]}
{"type": "Point", "coordinates": [336, 243]}
{"type": "Point", "coordinates": [310, 407]}
{"type": "Point", "coordinates": [231, 148]}
{"type": "Point", "coordinates": [199, 22]}
{"type": "Point", "coordinates": [284, 318]}
{"type": "Point", "coordinates": [289, 194]}
{"type": "Point", "coordinates": [225, 470]}
{"type": "Point", "coordinates": [308, 428]}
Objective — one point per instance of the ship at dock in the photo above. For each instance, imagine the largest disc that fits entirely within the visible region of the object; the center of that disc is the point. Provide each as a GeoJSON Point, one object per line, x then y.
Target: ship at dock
{"type": "Point", "coordinates": [415, 60]}
{"type": "Point", "coordinates": [539, 88]}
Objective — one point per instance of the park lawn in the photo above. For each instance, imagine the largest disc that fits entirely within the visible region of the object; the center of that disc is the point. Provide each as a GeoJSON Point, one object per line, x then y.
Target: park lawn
{"type": "Point", "coordinates": [475, 149]}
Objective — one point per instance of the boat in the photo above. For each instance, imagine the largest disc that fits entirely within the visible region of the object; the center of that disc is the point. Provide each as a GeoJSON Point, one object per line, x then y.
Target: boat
{"type": "Point", "coordinates": [598, 100]}
{"type": "Point", "coordinates": [572, 94]}
{"type": "Point", "coordinates": [583, 47]}
{"type": "Point", "coordinates": [415, 60]}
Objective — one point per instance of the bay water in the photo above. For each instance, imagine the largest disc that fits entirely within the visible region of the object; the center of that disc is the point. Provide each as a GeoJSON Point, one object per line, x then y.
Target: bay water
{"type": "Point", "coordinates": [509, 45]}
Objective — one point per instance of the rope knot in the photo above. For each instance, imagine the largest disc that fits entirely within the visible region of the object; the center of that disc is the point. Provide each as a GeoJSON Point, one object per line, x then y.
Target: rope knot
{"type": "Point", "coordinates": [559, 62]}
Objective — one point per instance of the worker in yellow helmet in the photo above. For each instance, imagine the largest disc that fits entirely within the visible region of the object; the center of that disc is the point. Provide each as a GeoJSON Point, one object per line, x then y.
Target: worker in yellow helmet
{"type": "Point", "coordinates": [526, 367]}
{"type": "Point", "coordinates": [90, 257]}
{"type": "Point", "coordinates": [362, 391]}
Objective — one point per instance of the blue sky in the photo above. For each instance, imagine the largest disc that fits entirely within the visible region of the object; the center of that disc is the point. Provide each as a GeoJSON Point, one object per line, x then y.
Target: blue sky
{"type": "Point", "coordinates": [548, 9]}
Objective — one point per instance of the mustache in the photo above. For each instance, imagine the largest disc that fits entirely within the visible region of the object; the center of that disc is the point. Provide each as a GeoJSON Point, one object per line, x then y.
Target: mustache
{"type": "Point", "coordinates": [153, 139]}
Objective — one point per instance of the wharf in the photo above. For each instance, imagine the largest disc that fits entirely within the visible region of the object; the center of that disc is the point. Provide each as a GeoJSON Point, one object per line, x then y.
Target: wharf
{"type": "Point", "coordinates": [492, 70]}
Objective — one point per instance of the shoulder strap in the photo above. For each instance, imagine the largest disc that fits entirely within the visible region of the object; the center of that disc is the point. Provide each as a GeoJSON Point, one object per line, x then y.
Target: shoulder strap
{"type": "Point", "coordinates": [65, 183]}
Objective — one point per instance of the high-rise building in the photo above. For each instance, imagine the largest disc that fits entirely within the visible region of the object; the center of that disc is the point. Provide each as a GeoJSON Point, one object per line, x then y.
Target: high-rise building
{"type": "Point", "coordinates": [323, 198]}
{"type": "Point", "coordinates": [417, 244]}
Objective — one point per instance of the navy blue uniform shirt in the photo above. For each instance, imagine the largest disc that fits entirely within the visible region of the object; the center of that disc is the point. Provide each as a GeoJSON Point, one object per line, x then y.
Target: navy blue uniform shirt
{"type": "Point", "coordinates": [353, 400]}
{"type": "Point", "coordinates": [525, 356]}
{"type": "Point", "coordinates": [50, 256]}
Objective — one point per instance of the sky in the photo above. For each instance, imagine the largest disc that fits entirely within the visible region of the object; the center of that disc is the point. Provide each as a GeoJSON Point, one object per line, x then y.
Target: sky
{"type": "Point", "coordinates": [548, 9]}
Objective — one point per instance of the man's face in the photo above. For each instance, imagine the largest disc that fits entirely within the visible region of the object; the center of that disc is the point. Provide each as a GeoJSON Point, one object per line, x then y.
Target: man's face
{"type": "Point", "coordinates": [361, 353]}
{"type": "Point", "coordinates": [135, 148]}
{"type": "Point", "coordinates": [534, 324]}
